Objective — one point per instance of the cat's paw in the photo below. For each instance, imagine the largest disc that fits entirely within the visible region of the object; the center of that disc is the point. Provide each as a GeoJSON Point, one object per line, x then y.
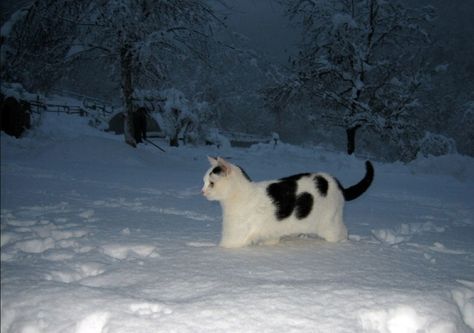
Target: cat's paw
{"type": "Point", "coordinates": [232, 245]}
{"type": "Point", "coordinates": [270, 242]}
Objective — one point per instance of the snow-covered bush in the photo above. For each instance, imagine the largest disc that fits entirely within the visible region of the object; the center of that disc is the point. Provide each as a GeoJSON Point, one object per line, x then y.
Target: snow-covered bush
{"type": "Point", "coordinates": [19, 92]}
{"type": "Point", "coordinates": [214, 137]}
{"type": "Point", "coordinates": [436, 145]}
{"type": "Point", "coordinates": [178, 117]}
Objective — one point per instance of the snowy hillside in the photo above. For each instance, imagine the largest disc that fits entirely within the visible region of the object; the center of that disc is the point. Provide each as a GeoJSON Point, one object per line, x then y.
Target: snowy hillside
{"type": "Point", "coordinates": [99, 237]}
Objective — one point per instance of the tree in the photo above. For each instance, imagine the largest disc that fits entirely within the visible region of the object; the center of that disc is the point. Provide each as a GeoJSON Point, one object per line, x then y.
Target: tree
{"type": "Point", "coordinates": [135, 38]}
{"type": "Point", "coordinates": [138, 36]}
{"type": "Point", "coordinates": [453, 77]}
{"type": "Point", "coordinates": [36, 40]}
{"type": "Point", "coordinates": [361, 57]}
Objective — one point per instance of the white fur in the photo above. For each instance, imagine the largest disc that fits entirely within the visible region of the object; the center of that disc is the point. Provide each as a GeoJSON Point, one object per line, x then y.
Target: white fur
{"type": "Point", "coordinates": [249, 213]}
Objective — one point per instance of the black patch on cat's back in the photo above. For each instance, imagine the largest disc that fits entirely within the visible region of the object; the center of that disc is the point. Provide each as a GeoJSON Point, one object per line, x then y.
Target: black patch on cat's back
{"type": "Point", "coordinates": [304, 205]}
{"type": "Point", "coordinates": [283, 195]}
{"type": "Point", "coordinates": [322, 185]}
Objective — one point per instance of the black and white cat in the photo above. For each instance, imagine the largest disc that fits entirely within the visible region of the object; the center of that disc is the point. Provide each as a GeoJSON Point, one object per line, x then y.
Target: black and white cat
{"type": "Point", "coordinates": [263, 212]}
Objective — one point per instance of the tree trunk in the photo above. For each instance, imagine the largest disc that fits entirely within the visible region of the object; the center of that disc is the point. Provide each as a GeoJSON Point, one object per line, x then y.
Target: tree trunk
{"type": "Point", "coordinates": [174, 141]}
{"type": "Point", "coordinates": [351, 135]}
{"type": "Point", "coordinates": [279, 119]}
{"type": "Point", "coordinates": [127, 92]}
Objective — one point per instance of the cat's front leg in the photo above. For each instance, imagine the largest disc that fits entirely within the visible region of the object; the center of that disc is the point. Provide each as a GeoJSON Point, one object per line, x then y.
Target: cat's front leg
{"type": "Point", "coordinates": [233, 244]}
{"type": "Point", "coordinates": [237, 240]}
{"type": "Point", "coordinates": [237, 232]}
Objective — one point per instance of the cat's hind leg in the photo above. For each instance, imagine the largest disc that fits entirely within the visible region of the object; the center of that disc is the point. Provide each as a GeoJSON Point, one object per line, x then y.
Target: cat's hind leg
{"type": "Point", "coordinates": [333, 228]}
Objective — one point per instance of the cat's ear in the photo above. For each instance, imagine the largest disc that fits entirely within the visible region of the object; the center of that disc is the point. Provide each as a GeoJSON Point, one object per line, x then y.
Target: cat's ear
{"type": "Point", "coordinates": [226, 166]}
{"type": "Point", "coordinates": [213, 161]}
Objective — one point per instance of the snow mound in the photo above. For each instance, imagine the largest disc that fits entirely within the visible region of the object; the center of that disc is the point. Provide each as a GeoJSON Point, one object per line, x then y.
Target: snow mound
{"type": "Point", "coordinates": [125, 251]}
{"type": "Point", "coordinates": [458, 166]}
{"type": "Point", "coordinates": [464, 298]}
{"type": "Point", "coordinates": [405, 232]}
{"type": "Point", "coordinates": [93, 323]}
{"type": "Point", "coordinates": [403, 319]}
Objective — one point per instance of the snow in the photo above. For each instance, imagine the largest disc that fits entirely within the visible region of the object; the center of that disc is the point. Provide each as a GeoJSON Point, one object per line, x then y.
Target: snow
{"type": "Point", "coordinates": [97, 236]}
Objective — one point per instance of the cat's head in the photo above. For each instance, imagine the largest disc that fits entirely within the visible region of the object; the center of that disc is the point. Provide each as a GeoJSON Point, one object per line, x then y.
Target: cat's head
{"type": "Point", "coordinates": [222, 179]}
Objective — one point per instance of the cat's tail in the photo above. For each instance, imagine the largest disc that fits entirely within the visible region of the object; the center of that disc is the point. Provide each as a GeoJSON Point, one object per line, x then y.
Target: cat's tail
{"type": "Point", "coordinates": [356, 190]}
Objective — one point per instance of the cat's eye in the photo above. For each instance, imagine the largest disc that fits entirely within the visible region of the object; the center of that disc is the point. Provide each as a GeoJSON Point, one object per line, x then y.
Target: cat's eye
{"type": "Point", "coordinates": [211, 184]}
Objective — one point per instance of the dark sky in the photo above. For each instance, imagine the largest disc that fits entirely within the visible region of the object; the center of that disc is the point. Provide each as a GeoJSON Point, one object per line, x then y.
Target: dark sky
{"type": "Point", "coordinates": [269, 31]}
{"type": "Point", "coordinates": [264, 23]}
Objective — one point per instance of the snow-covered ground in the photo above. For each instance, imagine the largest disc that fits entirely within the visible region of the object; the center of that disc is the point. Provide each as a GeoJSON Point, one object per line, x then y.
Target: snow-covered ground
{"type": "Point", "coordinates": [99, 237]}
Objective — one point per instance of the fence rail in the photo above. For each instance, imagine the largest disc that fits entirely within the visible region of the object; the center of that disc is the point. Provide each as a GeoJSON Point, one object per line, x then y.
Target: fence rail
{"type": "Point", "coordinates": [87, 108]}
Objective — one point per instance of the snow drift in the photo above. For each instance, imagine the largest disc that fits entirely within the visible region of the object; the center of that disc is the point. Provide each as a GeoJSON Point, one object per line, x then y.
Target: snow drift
{"type": "Point", "coordinates": [99, 237]}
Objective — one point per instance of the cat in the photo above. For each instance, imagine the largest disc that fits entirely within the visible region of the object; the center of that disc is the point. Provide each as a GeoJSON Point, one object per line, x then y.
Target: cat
{"type": "Point", "coordinates": [263, 212]}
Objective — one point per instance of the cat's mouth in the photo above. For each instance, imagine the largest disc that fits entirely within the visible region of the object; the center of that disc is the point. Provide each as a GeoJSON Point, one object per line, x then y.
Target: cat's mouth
{"type": "Point", "coordinates": [207, 195]}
